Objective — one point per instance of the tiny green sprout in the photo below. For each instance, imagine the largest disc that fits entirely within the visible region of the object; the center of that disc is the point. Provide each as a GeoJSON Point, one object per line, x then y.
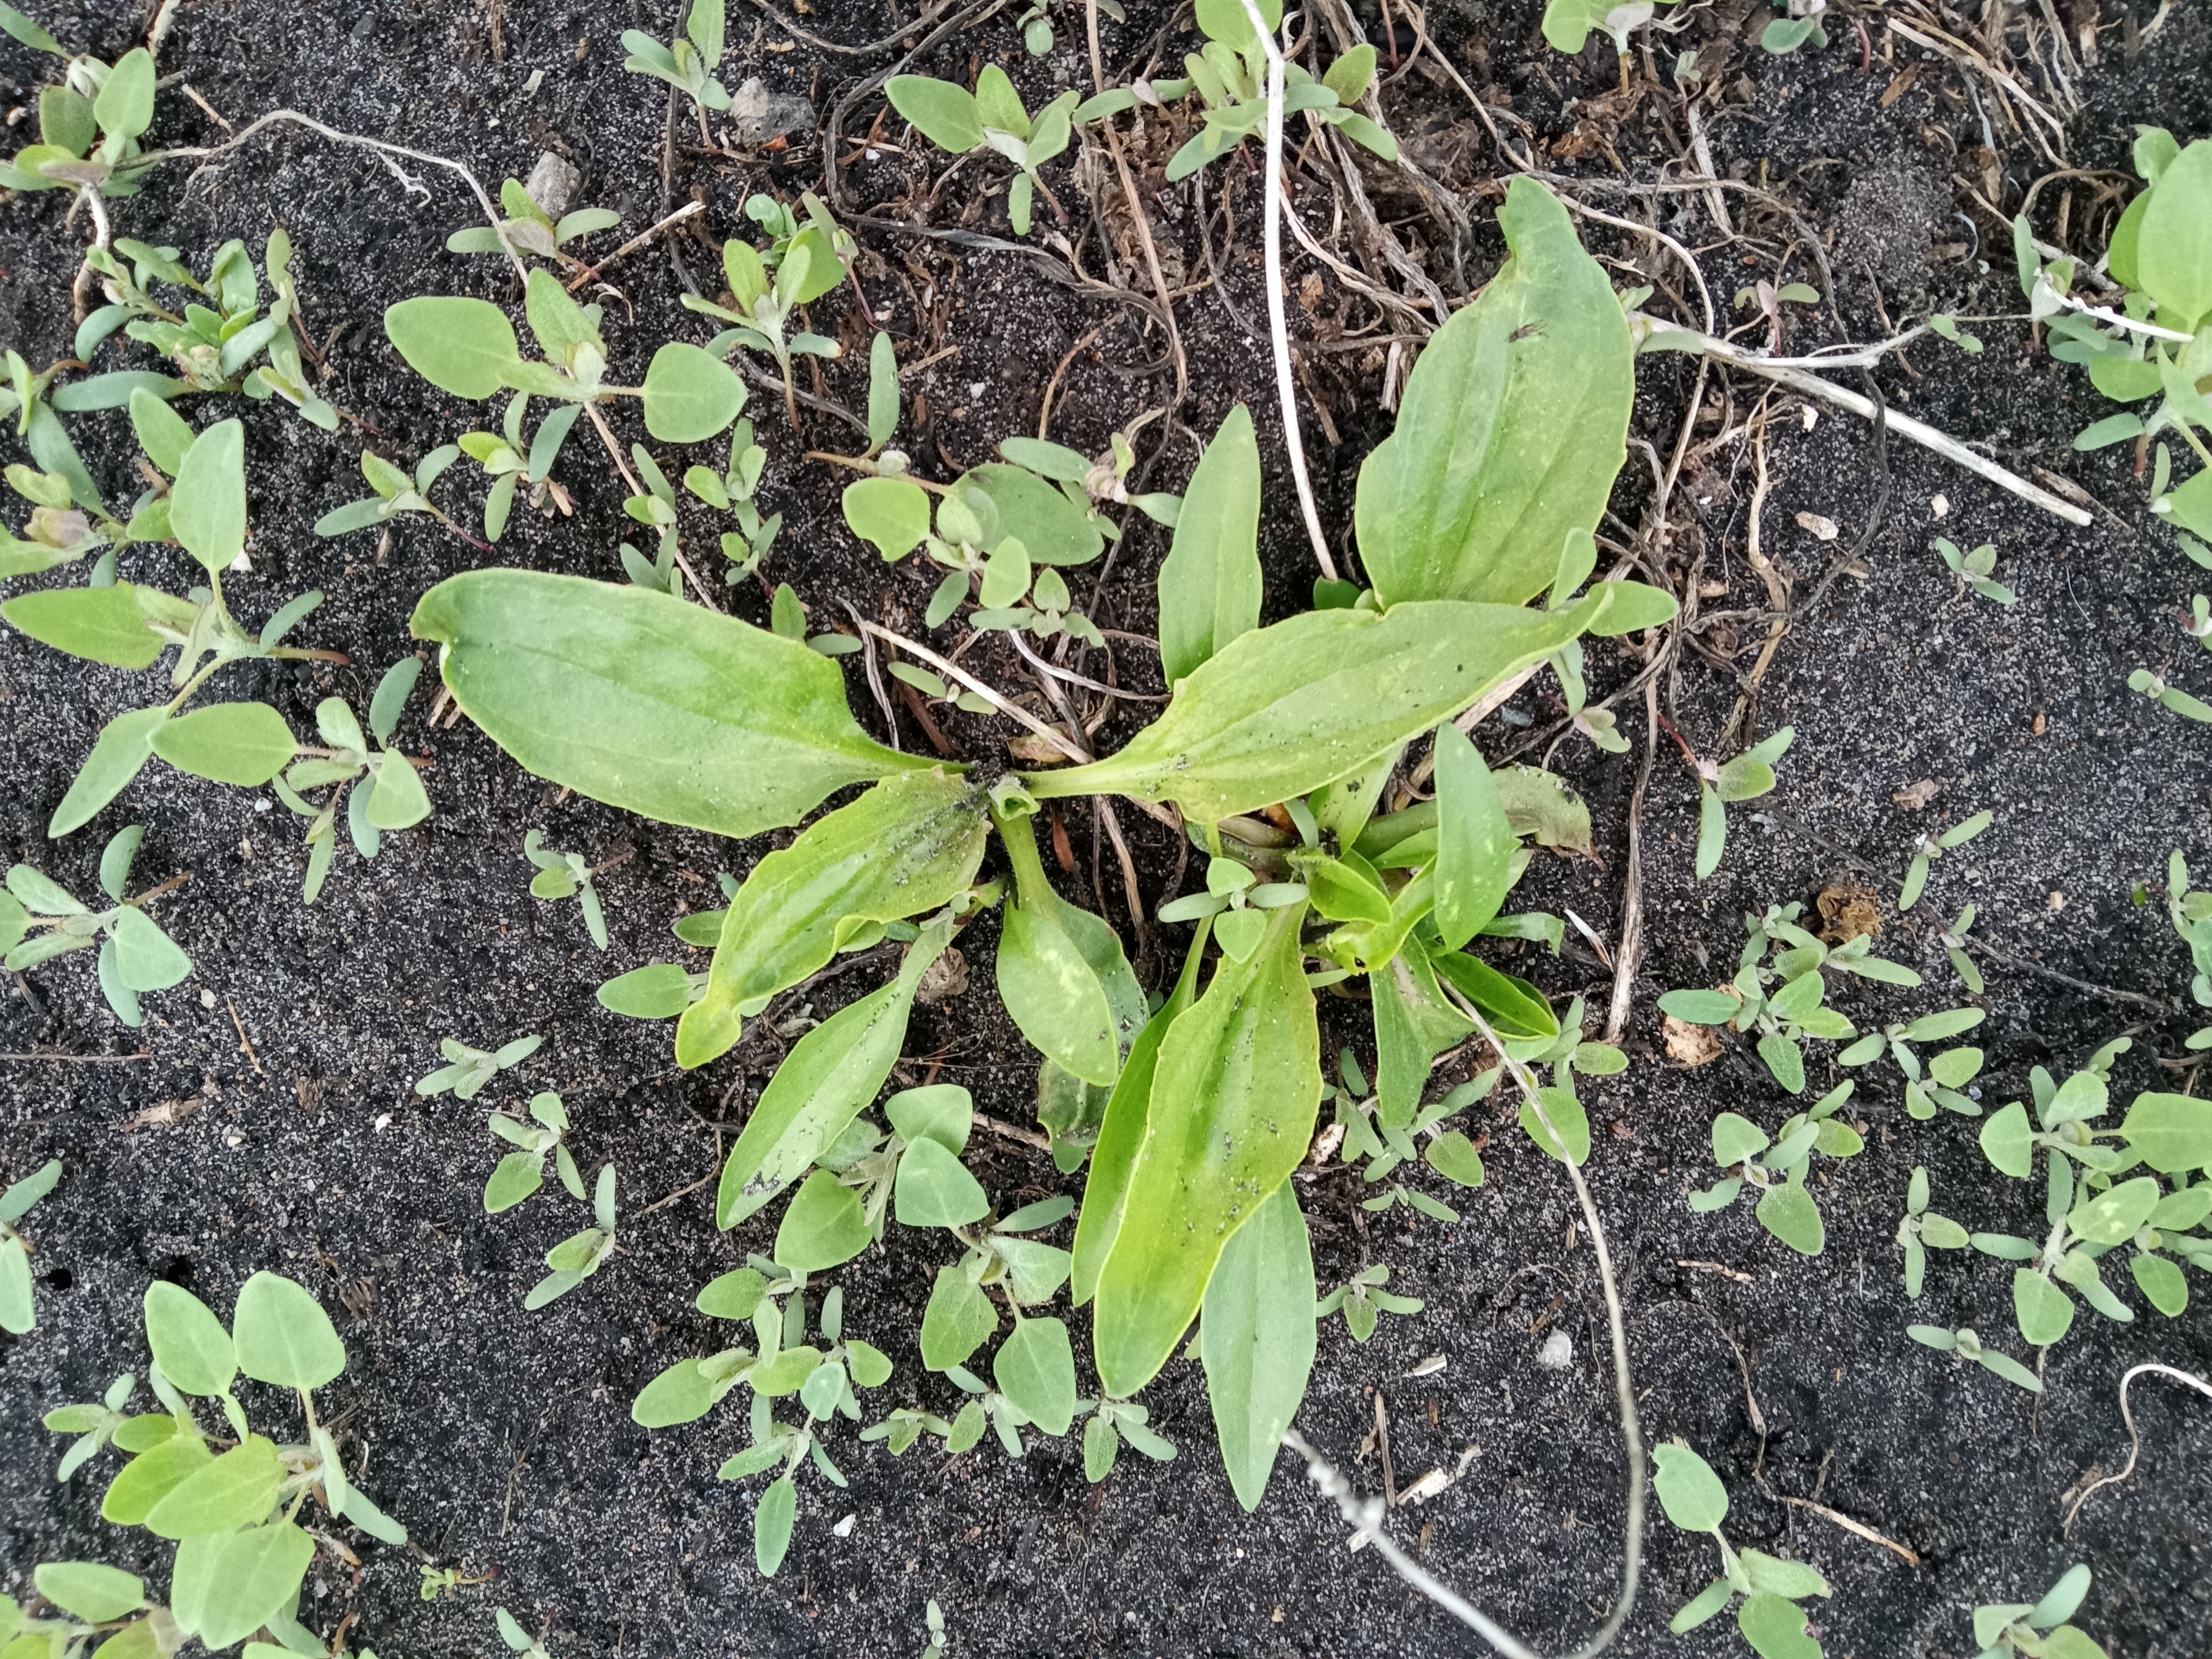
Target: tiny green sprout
{"type": "Point", "coordinates": [2041, 1631]}
{"type": "Point", "coordinates": [1953, 940]}
{"type": "Point", "coordinates": [580, 1254]}
{"type": "Point", "coordinates": [17, 1316]}
{"type": "Point", "coordinates": [1776, 1167]}
{"type": "Point", "coordinates": [2173, 701]}
{"type": "Point", "coordinates": [1943, 1077]}
{"type": "Point", "coordinates": [379, 785]}
{"type": "Point", "coordinates": [1769, 299]}
{"type": "Point", "coordinates": [566, 875]}
{"type": "Point", "coordinates": [1949, 329]}
{"type": "Point", "coordinates": [1770, 1618]}
{"type": "Point", "coordinates": [396, 492]}
{"type": "Point", "coordinates": [522, 1172]}
{"type": "Point", "coordinates": [1113, 1421]}
{"type": "Point", "coordinates": [1973, 569]}
{"type": "Point", "coordinates": [932, 1618]}
{"type": "Point", "coordinates": [519, 1640]}
{"type": "Point", "coordinates": [1799, 21]}
{"type": "Point", "coordinates": [529, 231]}
{"type": "Point", "coordinates": [959, 121]}
{"type": "Point", "coordinates": [1746, 777]}
{"type": "Point", "coordinates": [38, 920]}
{"type": "Point", "coordinates": [1928, 849]}
{"type": "Point", "coordinates": [1363, 1128]}
{"type": "Point", "coordinates": [440, 1581]}
{"type": "Point", "coordinates": [1966, 1345]}
{"type": "Point", "coordinates": [687, 63]}
{"type": "Point", "coordinates": [1037, 31]}
{"type": "Point", "coordinates": [1237, 901]}
{"type": "Point", "coordinates": [1362, 1300]}
{"type": "Point", "coordinates": [1922, 1230]}
{"type": "Point", "coordinates": [467, 1070]}
{"type": "Point", "coordinates": [241, 1551]}
{"type": "Point", "coordinates": [768, 286]}
{"type": "Point", "coordinates": [732, 492]}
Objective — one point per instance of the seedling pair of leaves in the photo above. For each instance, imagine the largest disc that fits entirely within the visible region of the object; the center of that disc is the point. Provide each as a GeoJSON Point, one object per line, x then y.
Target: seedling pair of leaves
{"type": "Point", "coordinates": [582, 1254]}
{"type": "Point", "coordinates": [1780, 997]}
{"type": "Point", "coordinates": [1386, 1143]}
{"type": "Point", "coordinates": [1230, 75]}
{"type": "Point", "coordinates": [958, 122]}
{"type": "Point", "coordinates": [914, 1171]}
{"type": "Point", "coordinates": [961, 1317]}
{"type": "Point", "coordinates": [468, 1070]}
{"type": "Point", "coordinates": [1776, 1167]}
{"type": "Point", "coordinates": [732, 491]}
{"type": "Point", "coordinates": [688, 62]}
{"type": "Point", "coordinates": [1720, 785]}
{"type": "Point", "coordinates": [40, 919]}
{"type": "Point", "coordinates": [2158, 346]}
{"type": "Point", "coordinates": [467, 347]}
{"type": "Point", "coordinates": [378, 785]}
{"type": "Point", "coordinates": [530, 232]}
{"type": "Point", "coordinates": [506, 458]}
{"type": "Point", "coordinates": [1929, 848]}
{"type": "Point", "coordinates": [764, 300]}
{"type": "Point", "coordinates": [2042, 1630]}
{"type": "Point", "coordinates": [522, 1172]}
{"type": "Point", "coordinates": [566, 876]}
{"type": "Point", "coordinates": [241, 1553]}
{"type": "Point", "coordinates": [17, 1314]}
{"type": "Point", "coordinates": [89, 126]}
{"type": "Point", "coordinates": [2095, 1212]}
{"type": "Point", "coordinates": [1769, 1616]}
{"type": "Point", "coordinates": [1362, 1301]}
{"type": "Point", "coordinates": [1974, 570]}
{"type": "Point", "coordinates": [1922, 1230]}
{"type": "Point", "coordinates": [1968, 1346]}
{"type": "Point", "coordinates": [397, 492]}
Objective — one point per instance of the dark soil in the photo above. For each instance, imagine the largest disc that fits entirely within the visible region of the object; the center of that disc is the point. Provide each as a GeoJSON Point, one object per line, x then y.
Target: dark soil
{"type": "Point", "coordinates": [503, 1439]}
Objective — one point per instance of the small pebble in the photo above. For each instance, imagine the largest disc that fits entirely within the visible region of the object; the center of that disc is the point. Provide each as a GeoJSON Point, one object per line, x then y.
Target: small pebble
{"type": "Point", "coordinates": [1557, 1353]}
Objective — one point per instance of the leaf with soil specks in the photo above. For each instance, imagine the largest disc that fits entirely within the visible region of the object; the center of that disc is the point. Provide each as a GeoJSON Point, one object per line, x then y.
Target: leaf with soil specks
{"type": "Point", "coordinates": [1512, 425]}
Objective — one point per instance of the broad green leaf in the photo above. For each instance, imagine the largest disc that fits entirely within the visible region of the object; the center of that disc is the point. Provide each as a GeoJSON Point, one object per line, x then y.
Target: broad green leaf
{"type": "Point", "coordinates": [283, 1336]}
{"type": "Point", "coordinates": [237, 1489]}
{"type": "Point", "coordinates": [1452, 1157]}
{"type": "Point", "coordinates": [459, 345]}
{"type": "Point", "coordinates": [1256, 1337]}
{"type": "Point", "coordinates": [1514, 1007]}
{"type": "Point", "coordinates": [648, 702]}
{"type": "Point", "coordinates": [1209, 584]}
{"type": "Point", "coordinates": [1503, 444]}
{"type": "Point", "coordinates": [691, 394]}
{"type": "Point", "coordinates": [890, 514]}
{"type": "Point", "coordinates": [100, 624]}
{"type": "Point", "coordinates": [1736, 1137]}
{"type": "Point", "coordinates": [2045, 1312]}
{"type": "Point", "coordinates": [958, 1320]}
{"type": "Point", "coordinates": [2114, 1216]}
{"type": "Point", "coordinates": [824, 1225]}
{"type": "Point", "coordinates": [1775, 1629]}
{"type": "Point", "coordinates": [1284, 709]}
{"type": "Point", "coordinates": [1233, 1100]}
{"type": "Point", "coordinates": [120, 753]}
{"type": "Point", "coordinates": [125, 108]}
{"type": "Point", "coordinates": [1703, 1606]}
{"type": "Point", "coordinates": [398, 800]}
{"type": "Point", "coordinates": [188, 1342]}
{"type": "Point", "coordinates": [1226, 21]}
{"type": "Point", "coordinates": [2008, 1141]}
{"type": "Point", "coordinates": [1051, 529]}
{"type": "Point", "coordinates": [830, 1075]}
{"type": "Point", "coordinates": [16, 1200]}
{"type": "Point", "coordinates": [1568, 1118]}
{"type": "Point", "coordinates": [1035, 1369]}
{"type": "Point", "coordinates": [94, 1593]}
{"type": "Point", "coordinates": [163, 434]}
{"type": "Point", "coordinates": [1121, 1131]}
{"type": "Point", "coordinates": [732, 1295]}
{"type": "Point", "coordinates": [225, 1586]}
{"type": "Point", "coordinates": [1689, 1490]}
{"type": "Point", "coordinates": [1788, 1212]}
{"type": "Point", "coordinates": [146, 958]}
{"type": "Point", "coordinates": [779, 1507]}
{"type": "Point", "coordinates": [245, 744]}
{"type": "Point", "coordinates": [2169, 1131]}
{"type": "Point", "coordinates": [660, 991]}
{"type": "Point", "coordinates": [207, 508]}
{"type": "Point", "coordinates": [1701, 1007]}
{"type": "Point", "coordinates": [942, 112]}
{"type": "Point", "coordinates": [2161, 1282]}
{"type": "Point", "coordinates": [904, 847]}
{"type": "Point", "coordinates": [151, 1476]}
{"type": "Point", "coordinates": [1052, 996]}
{"type": "Point", "coordinates": [934, 1189]}
{"type": "Point", "coordinates": [942, 1112]}
{"type": "Point", "coordinates": [2173, 244]}
{"type": "Point", "coordinates": [1475, 844]}
{"type": "Point", "coordinates": [518, 1175]}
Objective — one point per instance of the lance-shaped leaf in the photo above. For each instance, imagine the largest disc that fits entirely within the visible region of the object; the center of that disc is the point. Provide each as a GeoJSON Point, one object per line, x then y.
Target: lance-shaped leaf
{"type": "Point", "coordinates": [824, 1083]}
{"type": "Point", "coordinates": [1512, 425]}
{"type": "Point", "coordinates": [646, 702]}
{"type": "Point", "coordinates": [1284, 709]}
{"type": "Point", "coordinates": [124, 746]}
{"type": "Point", "coordinates": [1476, 841]}
{"type": "Point", "coordinates": [245, 744]}
{"type": "Point", "coordinates": [1232, 1110]}
{"type": "Point", "coordinates": [100, 624]}
{"type": "Point", "coordinates": [1054, 997]}
{"type": "Point", "coordinates": [904, 847]}
{"type": "Point", "coordinates": [1209, 584]}
{"type": "Point", "coordinates": [1121, 1131]}
{"type": "Point", "coordinates": [1256, 1337]}
{"type": "Point", "coordinates": [207, 509]}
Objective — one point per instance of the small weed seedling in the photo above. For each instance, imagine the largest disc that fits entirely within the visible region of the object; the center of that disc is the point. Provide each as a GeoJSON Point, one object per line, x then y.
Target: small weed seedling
{"type": "Point", "coordinates": [1974, 570]}
{"type": "Point", "coordinates": [378, 785]}
{"type": "Point", "coordinates": [1770, 1618]}
{"type": "Point", "coordinates": [522, 1172]}
{"type": "Point", "coordinates": [1939, 1081]}
{"type": "Point", "coordinates": [1776, 1167]}
{"type": "Point", "coordinates": [932, 1616]}
{"type": "Point", "coordinates": [397, 492]}
{"type": "Point", "coordinates": [1966, 1345]}
{"type": "Point", "coordinates": [467, 1070]}
{"type": "Point", "coordinates": [1386, 1143]}
{"type": "Point", "coordinates": [2017, 1630]}
{"type": "Point", "coordinates": [438, 1582]}
{"type": "Point", "coordinates": [39, 921]}
{"type": "Point", "coordinates": [1113, 1421]}
{"type": "Point", "coordinates": [89, 125]}
{"type": "Point", "coordinates": [580, 1254]}
{"type": "Point", "coordinates": [991, 117]}
{"type": "Point", "coordinates": [17, 1316]}
{"type": "Point", "coordinates": [1923, 1230]}
{"type": "Point", "coordinates": [765, 297]}
{"type": "Point", "coordinates": [565, 875]}
{"type": "Point", "coordinates": [1362, 1300]}
{"type": "Point", "coordinates": [241, 1551]}
{"type": "Point", "coordinates": [530, 232]}
{"type": "Point", "coordinates": [519, 1640]}
{"type": "Point", "coordinates": [1798, 25]}
{"type": "Point", "coordinates": [1928, 849]}
{"type": "Point", "coordinates": [689, 62]}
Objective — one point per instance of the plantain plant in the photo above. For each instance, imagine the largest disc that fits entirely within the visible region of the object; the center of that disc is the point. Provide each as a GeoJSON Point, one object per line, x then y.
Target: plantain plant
{"type": "Point", "coordinates": [1482, 501]}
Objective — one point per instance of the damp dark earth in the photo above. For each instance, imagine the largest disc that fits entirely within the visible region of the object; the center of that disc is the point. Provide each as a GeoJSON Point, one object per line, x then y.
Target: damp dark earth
{"type": "Point", "coordinates": [264, 1116]}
